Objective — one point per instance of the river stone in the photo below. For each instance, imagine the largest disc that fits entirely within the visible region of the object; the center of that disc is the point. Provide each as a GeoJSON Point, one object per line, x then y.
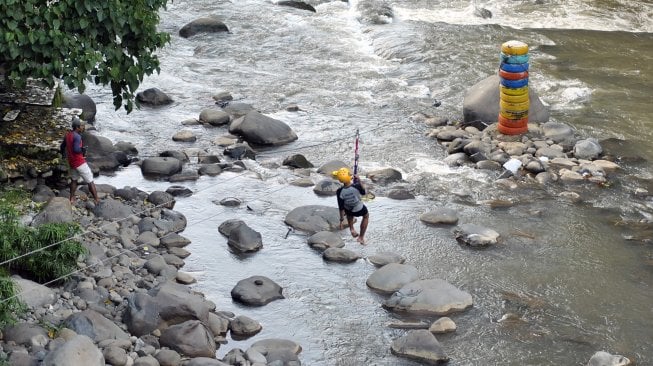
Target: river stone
{"type": "Point", "coordinates": [179, 191]}
{"type": "Point", "coordinates": [588, 149]}
{"type": "Point", "coordinates": [184, 176]}
{"type": "Point", "coordinates": [214, 117]}
{"type": "Point", "coordinates": [259, 129]}
{"type": "Point", "coordinates": [205, 361]}
{"type": "Point", "coordinates": [185, 278]}
{"type": "Point", "coordinates": [174, 240]}
{"type": "Point", "coordinates": [297, 161]}
{"type": "Point", "coordinates": [111, 209]}
{"type": "Point", "coordinates": [42, 193]}
{"type": "Point", "coordinates": [331, 166]}
{"type": "Point", "coordinates": [190, 338]}
{"type": "Point", "coordinates": [266, 346]}
{"type": "Point", "coordinates": [95, 326]}
{"type": "Point", "coordinates": [441, 215]}
{"type": "Point", "coordinates": [385, 176]}
{"type": "Point", "coordinates": [325, 239]}
{"type": "Point", "coordinates": [558, 132]}
{"type": "Point", "coordinates": [297, 4]}
{"type": "Point", "coordinates": [400, 193]}
{"type": "Point", "coordinates": [243, 327]}
{"type": "Point", "coordinates": [481, 102]}
{"type": "Point", "coordinates": [242, 238]}
{"type": "Point", "coordinates": [380, 259]}
{"type": "Point", "coordinates": [218, 325]}
{"type": "Point", "coordinates": [476, 235]}
{"type": "Point", "coordinates": [153, 97]}
{"type": "Point", "coordinates": [443, 325]}
{"type": "Point", "coordinates": [227, 226]}
{"type": "Point", "coordinates": [147, 360]}
{"type": "Point", "coordinates": [156, 264]}
{"type": "Point", "coordinates": [256, 291]}
{"type": "Point", "coordinates": [184, 136]}
{"type": "Point", "coordinates": [314, 218]}
{"type": "Point", "coordinates": [326, 187]}
{"type": "Point", "coordinates": [79, 350]}
{"type": "Point", "coordinates": [210, 170]}
{"type": "Point", "coordinates": [429, 297]}
{"type": "Point", "coordinates": [550, 153]}
{"type": "Point", "coordinates": [57, 210]}
{"type": "Point", "coordinates": [33, 294]}
{"type": "Point", "coordinates": [168, 357]}
{"type": "Point", "coordinates": [341, 255]}
{"type": "Point", "coordinates": [302, 182]}
{"type": "Point", "coordinates": [20, 357]}
{"type": "Point", "coordinates": [202, 25]}
{"type": "Point", "coordinates": [392, 277]}
{"type": "Point", "coordinates": [24, 334]}
{"type": "Point", "coordinates": [160, 166]}
{"type": "Point", "coordinates": [148, 238]}
{"type": "Point", "coordinates": [162, 199]}
{"type": "Point", "coordinates": [83, 102]}
{"type": "Point", "coordinates": [115, 356]}
{"type": "Point", "coordinates": [602, 358]}
{"type": "Point", "coordinates": [419, 345]}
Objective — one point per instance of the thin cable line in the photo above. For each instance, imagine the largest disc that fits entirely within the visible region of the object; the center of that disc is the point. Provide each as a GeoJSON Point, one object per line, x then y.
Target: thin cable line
{"type": "Point", "coordinates": [126, 251]}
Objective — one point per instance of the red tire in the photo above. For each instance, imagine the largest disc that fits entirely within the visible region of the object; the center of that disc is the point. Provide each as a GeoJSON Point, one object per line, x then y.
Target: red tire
{"type": "Point", "coordinates": [513, 75]}
{"type": "Point", "coordinates": [512, 131]}
{"type": "Point", "coordinates": [513, 123]}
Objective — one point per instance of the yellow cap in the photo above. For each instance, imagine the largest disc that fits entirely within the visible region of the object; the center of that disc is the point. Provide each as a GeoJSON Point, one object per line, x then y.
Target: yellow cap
{"type": "Point", "coordinates": [342, 175]}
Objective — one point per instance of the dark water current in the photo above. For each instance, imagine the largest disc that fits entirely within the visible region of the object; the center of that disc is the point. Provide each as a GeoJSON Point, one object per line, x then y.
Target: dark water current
{"type": "Point", "coordinates": [579, 275]}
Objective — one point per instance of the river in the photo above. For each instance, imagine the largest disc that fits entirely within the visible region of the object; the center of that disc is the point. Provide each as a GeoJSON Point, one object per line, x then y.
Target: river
{"type": "Point", "coordinates": [579, 275]}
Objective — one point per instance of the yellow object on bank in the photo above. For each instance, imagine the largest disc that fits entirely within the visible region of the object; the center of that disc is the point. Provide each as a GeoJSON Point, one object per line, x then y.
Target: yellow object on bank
{"type": "Point", "coordinates": [515, 48]}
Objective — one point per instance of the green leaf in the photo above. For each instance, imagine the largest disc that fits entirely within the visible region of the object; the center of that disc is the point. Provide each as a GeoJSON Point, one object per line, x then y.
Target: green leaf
{"type": "Point", "coordinates": [12, 25]}
{"type": "Point", "coordinates": [83, 23]}
{"type": "Point", "coordinates": [56, 23]}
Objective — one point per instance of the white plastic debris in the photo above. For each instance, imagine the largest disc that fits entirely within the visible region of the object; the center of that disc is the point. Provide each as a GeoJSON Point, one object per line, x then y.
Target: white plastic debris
{"type": "Point", "coordinates": [513, 165]}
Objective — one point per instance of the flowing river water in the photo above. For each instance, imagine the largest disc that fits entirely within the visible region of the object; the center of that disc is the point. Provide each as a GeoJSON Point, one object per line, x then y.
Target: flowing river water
{"type": "Point", "coordinates": [579, 275]}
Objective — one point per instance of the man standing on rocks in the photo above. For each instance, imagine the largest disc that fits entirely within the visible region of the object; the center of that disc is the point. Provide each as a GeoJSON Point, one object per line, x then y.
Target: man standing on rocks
{"type": "Point", "coordinates": [350, 203]}
{"type": "Point", "coordinates": [74, 151]}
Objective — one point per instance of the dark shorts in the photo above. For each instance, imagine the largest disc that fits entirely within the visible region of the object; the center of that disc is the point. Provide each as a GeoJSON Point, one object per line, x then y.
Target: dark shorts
{"type": "Point", "coordinates": [361, 212]}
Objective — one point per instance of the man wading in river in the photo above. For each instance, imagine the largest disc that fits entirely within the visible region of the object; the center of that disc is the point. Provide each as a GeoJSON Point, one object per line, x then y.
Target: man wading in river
{"type": "Point", "coordinates": [350, 204]}
{"type": "Point", "coordinates": [74, 150]}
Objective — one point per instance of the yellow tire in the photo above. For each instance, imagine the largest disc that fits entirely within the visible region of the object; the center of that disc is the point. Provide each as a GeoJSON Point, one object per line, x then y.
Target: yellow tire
{"type": "Point", "coordinates": [513, 98]}
{"type": "Point", "coordinates": [513, 91]}
{"type": "Point", "coordinates": [513, 114]}
{"type": "Point", "coordinates": [521, 106]}
{"type": "Point", "coordinates": [515, 48]}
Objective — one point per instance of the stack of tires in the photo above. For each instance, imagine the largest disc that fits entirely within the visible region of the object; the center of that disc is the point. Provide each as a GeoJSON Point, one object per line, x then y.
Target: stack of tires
{"type": "Point", "coordinates": [513, 89]}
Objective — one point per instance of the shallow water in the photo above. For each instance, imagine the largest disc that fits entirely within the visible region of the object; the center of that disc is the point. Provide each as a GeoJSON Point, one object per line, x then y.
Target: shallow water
{"type": "Point", "coordinates": [565, 268]}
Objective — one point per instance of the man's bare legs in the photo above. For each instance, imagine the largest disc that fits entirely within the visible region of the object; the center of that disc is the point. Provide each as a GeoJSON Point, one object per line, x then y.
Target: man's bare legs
{"type": "Point", "coordinates": [350, 222]}
{"type": "Point", "coordinates": [361, 237]}
{"type": "Point", "coordinates": [73, 189]}
{"type": "Point", "coordinates": [91, 188]}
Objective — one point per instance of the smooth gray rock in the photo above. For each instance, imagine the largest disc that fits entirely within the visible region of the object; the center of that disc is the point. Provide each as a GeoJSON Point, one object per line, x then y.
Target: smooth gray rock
{"type": "Point", "coordinates": [57, 210]}
{"type": "Point", "coordinates": [190, 338]}
{"type": "Point", "coordinates": [443, 325]}
{"type": "Point", "coordinates": [112, 209]}
{"type": "Point", "coordinates": [602, 358]}
{"type": "Point", "coordinates": [256, 291]}
{"type": "Point", "coordinates": [115, 356]}
{"type": "Point", "coordinates": [385, 176]}
{"type": "Point", "coordinates": [79, 350]}
{"type": "Point", "coordinates": [325, 239]}
{"type": "Point", "coordinates": [476, 235]}
{"type": "Point", "coordinates": [588, 149]}
{"type": "Point", "coordinates": [326, 187]}
{"type": "Point", "coordinates": [24, 333]}
{"type": "Point", "coordinates": [226, 227]}
{"type": "Point", "coordinates": [392, 277]}
{"type": "Point", "coordinates": [83, 102]}
{"type": "Point", "coordinates": [419, 345]}
{"type": "Point", "coordinates": [205, 361]}
{"type": "Point", "coordinates": [174, 240]}
{"type": "Point", "coordinates": [162, 199]}
{"type": "Point", "coordinates": [267, 346]}
{"type": "Point", "coordinates": [168, 357]}
{"type": "Point", "coordinates": [429, 297]}
{"type": "Point", "coordinates": [34, 294]}
{"type": "Point", "coordinates": [256, 128]}
{"type": "Point", "coordinates": [95, 326]}
{"type": "Point", "coordinates": [297, 161]}
{"type": "Point", "coordinates": [244, 239]}
{"type": "Point", "coordinates": [160, 166]}
{"type": "Point", "coordinates": [243, 327]}
{"type": "Point", "coordinates": [341, 255]}
{"type": "Point", "coordinates": [153, 97]}
{"type": "Point", "coordinates": [438, 216]}
{"type": "Point", "coordinates": [380, 259]}
{"type": "Point", "coordinates": [314, 218]}
{"type": "Point", "coordinates": [203, 25]}
{"type": "Point", "coordinates": [214, 117]}
{"type": "Point", "coordinates": [331, 166]}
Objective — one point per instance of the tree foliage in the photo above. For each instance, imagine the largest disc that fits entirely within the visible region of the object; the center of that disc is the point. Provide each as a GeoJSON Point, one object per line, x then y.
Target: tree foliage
{"type": "Point", "coordinates": [108, 42]}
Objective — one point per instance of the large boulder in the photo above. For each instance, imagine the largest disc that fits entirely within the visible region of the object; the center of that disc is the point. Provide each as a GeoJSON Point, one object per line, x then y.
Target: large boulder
{"type": "Point", "coordinates": [153, 97]}
{"type": "Point", "coordinates": [101, 152]}
{"type": "Point", "coordinates": [112, 209]}
{"type": "Point", "coordinates": [202, 25]}
{"type": "Point", "coordinates": [95, 326]}
{"type": "Point", "coordinates": [79, 350]}
{"type": "Point", "coordinates": [57, 210]}
{"type": "Point", "coordinates": [419, 345]}
{"type": "Point", "coordinates": [482, 103]}
{"type": "Point", "coordinates": [256, 291]}
{"type": "Point", "coordinates": [83, 102]}
{"type": "Point", "coordinates": [260, 129]}
{"type": "Point", "coordinates": [429, 297]}
{"type": "Point", "coordinates": [33, 294]}
{"type": "Point", "coordinates": [392, 277]}
{"type": "Point", "coordinates": [476, 235]}
{"type": "Point", "coordinates": [314, 218]}
{"type": "Point", "coordinates": [243, 239]}
{"type": "Point", "coordinates": [190, 338]}
{"type": "Point", "coordinates": [160, 166]}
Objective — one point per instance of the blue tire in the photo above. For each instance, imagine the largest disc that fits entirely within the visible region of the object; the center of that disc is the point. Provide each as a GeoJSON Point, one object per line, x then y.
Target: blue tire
{"type": "Point", "coordinates": [514, 67]}
{"type": "Point", "coordinates": [515, 84]}
{"type": "Point", "coordinates": [512, 59]}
